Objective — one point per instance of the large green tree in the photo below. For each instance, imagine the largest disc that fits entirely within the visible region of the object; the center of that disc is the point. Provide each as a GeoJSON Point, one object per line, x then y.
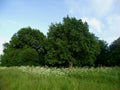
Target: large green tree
{"type": "Point", "coordinates": [26, 47]}
{"type": "Point", "coordinates": [71, 42]}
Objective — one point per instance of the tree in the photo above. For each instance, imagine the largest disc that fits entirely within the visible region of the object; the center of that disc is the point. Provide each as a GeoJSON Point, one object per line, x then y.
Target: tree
{"type": "Point", "coordinates": [0, 60]}
{"type": "Point", "coordinates": [114, 53]}
{"type": "Point", "coordinates": [71, 41]}
{"type": "Point", "coordinates": [29, 56]}
{"type": "Point", "coordinates": [103, 53]}
{"type": "Point", "coordinates": [25, 48]}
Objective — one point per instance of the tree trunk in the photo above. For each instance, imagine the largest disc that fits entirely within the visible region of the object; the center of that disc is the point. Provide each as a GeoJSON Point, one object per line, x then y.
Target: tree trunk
{"type": "Point", "coordinates": [70, 64]}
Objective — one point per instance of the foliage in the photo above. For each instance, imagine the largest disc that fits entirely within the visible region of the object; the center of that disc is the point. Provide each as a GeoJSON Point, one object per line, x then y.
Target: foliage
{"type": "Point", "coordinates": [114, 53]}
{"type": "Point", "coordinates": [25, 48]}
{"type": "Point", "coordinates": [68, 43]}
{"type": "Point", "coordinates": [102, 56]}
{"type": "Point", "coordinates": [71, 41]}
{"type": "Point", "coordinates": [0, 59]}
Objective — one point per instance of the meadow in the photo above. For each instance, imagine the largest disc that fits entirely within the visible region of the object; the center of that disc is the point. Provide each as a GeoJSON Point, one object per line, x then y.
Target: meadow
{"type": "Point", "coordinates": [44, 78]}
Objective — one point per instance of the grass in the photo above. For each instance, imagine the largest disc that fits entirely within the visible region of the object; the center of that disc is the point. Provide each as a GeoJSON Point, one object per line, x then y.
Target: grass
{"type": "Point", "coordinates": [39, 78]}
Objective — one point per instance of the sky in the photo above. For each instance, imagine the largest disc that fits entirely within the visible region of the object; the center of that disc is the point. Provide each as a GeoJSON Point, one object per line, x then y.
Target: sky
{"type": "Point", "coordinates": [103, 16]}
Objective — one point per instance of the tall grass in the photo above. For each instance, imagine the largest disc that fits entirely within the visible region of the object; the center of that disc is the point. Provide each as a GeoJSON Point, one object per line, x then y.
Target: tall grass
{"type": "Point", "coordinates": [39, 78]}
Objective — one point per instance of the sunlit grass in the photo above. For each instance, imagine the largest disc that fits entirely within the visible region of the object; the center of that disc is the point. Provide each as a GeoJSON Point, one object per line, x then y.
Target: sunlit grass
{"type": "Point", "coordinates": [44, 78]}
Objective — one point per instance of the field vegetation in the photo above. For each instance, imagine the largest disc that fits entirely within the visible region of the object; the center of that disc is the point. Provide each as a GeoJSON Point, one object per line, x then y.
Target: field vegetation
{"type": "Point", "coordinates": [44, 78]}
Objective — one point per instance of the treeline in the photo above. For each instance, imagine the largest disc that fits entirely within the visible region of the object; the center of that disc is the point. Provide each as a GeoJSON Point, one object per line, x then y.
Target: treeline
{"type": "Point", "coordinates": [68, 43]}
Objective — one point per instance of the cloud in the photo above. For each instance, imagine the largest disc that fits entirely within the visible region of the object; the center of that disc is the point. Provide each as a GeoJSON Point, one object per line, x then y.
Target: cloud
{"type": "Point", "coordinates": [111, 31]}
{"type": "Point", "coordinates": [96, 8]}
{"type": "Point", "coordinates": [102, 7]}
{"type": "Point", "coordinates": [2, 41]}
{"type": "Point", "coordinates": [110, 39]}
{"type": "Point", "coordinates": [107, 30]}
{"type": "Point", "coordinates": [103, 16]}
{"type": "Point", "coordinates": [94, 24]}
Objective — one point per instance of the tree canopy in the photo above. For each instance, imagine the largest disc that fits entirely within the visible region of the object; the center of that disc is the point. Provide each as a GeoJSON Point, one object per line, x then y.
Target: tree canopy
{"type": "Point", "coordinates": [25, 48]}
{"type": "Point", "coordinates": [102, 54]}
{"type": "Point", "coordinates": [67, 43]}
{"type": "Point", "coordinates": [71, 41]}
{"type": "Point", "coordinates": [114, 53]}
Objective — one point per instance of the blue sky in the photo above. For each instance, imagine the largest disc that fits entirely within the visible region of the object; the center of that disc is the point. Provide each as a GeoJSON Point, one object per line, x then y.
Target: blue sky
{"type": "Point", "coordinates": [103, 16]}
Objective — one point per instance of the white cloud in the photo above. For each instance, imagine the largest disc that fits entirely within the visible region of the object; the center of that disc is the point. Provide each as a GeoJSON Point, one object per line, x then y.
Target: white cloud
{"type": "Point", "coordinates": [73, 6]}
{"type": "Point", "coordinates": [110, 39]}
{"type": "Point", "coordinates": [114, 21]}
{"type": "Point", "coordinates": [112, 29]}
{"type": "Point", "coordinates": [102, 7]}
{"type": "Point", "coordinates": [97, 8]}
{"type": "Point", "coordinates": [2, 41]}
{"type": "Point", "coordinates": [107, 30]}
{"type": "Point", "coordinates": [103, 16]}
{"type": "Point", "coordinates": [93, 23]}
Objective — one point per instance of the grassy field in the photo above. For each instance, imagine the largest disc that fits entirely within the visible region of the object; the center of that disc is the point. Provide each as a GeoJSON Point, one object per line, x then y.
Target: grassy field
{"type": "Point", "coordinates": [39, 78]}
